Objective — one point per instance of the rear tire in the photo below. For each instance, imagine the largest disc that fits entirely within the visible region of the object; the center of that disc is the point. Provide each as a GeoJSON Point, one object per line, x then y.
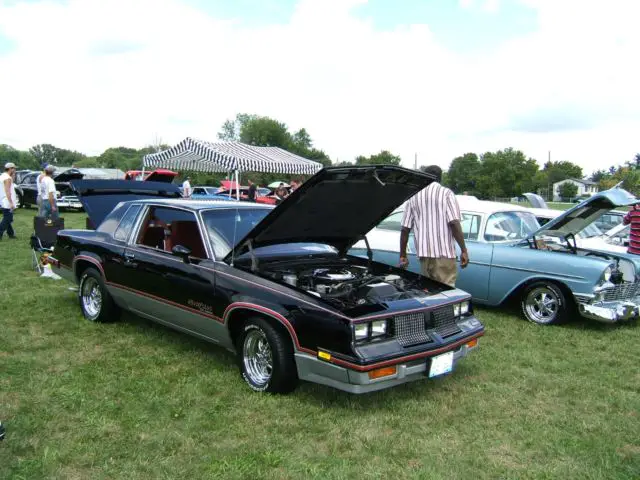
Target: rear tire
{"type": "Point", "coordinates": [96, 303]}
{"type": "Point", "coordinates": [544, 303]}
{"type": "Point", "coordinates": [265, 358]}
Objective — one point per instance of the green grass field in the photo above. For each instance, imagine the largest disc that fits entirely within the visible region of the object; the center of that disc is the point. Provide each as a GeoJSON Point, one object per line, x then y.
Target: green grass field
{"type": "Point", "coordinates": [134, 400]}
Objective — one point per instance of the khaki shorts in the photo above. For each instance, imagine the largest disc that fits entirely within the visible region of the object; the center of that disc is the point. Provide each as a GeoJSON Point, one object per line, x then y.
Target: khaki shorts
{"type": "Point", "coordinates": [443, 270]}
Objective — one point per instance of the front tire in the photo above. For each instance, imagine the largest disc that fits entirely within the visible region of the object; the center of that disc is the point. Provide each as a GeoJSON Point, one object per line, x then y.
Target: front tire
{"type": "Point", "coordinates": [544, 303]}
{"type": "Point", "coordinates": [96, 303]}
{"type": "Point", "coordinates": [265, 357]}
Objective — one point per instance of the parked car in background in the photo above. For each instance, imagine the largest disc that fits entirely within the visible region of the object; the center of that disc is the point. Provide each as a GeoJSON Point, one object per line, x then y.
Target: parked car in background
{"type": "Point", "coordinates": [66, 198]}
{"type": "Point", "coordinates": [609, 220]}
{"type": "Point", "coordinates": [275, 285]}
{"type": "Point", "coordinates": [544, 269]}
{"type": "Point", "coordinates": [158, 175]}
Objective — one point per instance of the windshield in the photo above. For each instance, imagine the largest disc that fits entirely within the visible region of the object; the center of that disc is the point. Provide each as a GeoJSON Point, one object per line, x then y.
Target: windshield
{"type": "Point", "coordinates": [510, 226]}
{"type": "Point", "coordinates": [226, 226]}
{"type": "Point", "coordinates": [590, 232]}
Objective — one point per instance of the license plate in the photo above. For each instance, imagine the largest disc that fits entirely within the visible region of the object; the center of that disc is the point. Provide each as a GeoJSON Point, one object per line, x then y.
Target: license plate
{"type": "Point", "coordinates": [441, 364]}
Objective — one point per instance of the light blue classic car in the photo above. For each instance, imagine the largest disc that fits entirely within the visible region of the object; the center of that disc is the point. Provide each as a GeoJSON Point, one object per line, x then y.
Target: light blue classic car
{"type": "Point", "coordinates": [544, 269]}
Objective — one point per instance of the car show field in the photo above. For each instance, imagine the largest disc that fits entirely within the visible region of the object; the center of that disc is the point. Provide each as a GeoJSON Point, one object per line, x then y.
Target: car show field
{"type": "Point", "coordinates": [133, 399]}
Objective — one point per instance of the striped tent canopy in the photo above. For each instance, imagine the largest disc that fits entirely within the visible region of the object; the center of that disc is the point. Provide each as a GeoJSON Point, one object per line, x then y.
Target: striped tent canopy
{"type": "Point", "coordinates": [193, 155]}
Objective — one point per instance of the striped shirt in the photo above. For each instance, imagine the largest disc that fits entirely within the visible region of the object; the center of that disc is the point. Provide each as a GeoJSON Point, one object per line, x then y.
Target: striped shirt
{"type": "Point", "coordinates": [633, 218]}
{"type": "Point", "coordinates": [429, 213]}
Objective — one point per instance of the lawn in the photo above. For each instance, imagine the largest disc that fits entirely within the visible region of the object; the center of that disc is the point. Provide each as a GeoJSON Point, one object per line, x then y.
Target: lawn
{"type": "Point", "coordinates": [138, 401]}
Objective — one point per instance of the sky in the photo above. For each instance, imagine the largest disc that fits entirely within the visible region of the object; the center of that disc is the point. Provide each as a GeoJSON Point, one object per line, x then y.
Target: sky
{"type": "Point", "coordinates": [432, 78]}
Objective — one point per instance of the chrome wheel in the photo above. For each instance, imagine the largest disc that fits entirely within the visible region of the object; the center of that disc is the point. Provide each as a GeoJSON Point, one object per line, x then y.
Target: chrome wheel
{"type": "Point", "coordinates": [542, 305]}
{"type": "Point", "coordinates": [257, 358]}
{"type": "Point", "coordinates": [91, 297]}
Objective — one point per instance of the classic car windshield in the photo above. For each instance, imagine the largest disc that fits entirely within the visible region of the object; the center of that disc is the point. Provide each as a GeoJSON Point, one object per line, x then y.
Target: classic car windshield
{"type": "Point", "coordinates": [229, 225]}
{"type": "Point", "coordinates": [509, 226]}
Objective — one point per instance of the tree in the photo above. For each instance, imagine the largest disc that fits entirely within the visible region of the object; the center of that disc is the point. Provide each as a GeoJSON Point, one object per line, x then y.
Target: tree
{"type": "Point", "coordinates": [598, 175]}
{"type": "Point", "coordinates": [302, 140]}
{"type": "Point", "coordinates": [385, 157]}
{"type": "Point", "coordinates": [505, 173]}
{"type": "Point", "coordinates": [266, 132]}
{"type": "Point", "coordinates": [630, 178]}
{"type": "Point", "coordinates": [463, 172]}
{"type": "Point", "coordinates": [44, 153]}
{"type": "Point", "coordinates": [568, 190]}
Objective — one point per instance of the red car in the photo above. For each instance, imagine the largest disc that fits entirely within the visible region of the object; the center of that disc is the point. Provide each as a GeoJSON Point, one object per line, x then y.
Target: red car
{"type": "Point", "coordinates": [159, 175]}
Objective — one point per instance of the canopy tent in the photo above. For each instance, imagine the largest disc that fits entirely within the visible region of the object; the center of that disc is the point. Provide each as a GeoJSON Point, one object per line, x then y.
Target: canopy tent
{"type": "Point", "coordinates": [199, 156]}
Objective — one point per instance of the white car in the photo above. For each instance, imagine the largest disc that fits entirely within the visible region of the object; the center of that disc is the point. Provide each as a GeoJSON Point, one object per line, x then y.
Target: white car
{"type": "Point", "coordinates": [591, 238]}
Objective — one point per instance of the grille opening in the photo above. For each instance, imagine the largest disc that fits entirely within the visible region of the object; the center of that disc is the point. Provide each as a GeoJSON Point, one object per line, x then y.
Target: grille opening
{"type": "Point", "coordinates": [410, 329]}
{"type": "Point", "coordinates": [443, 321]}
{"type": "Point", "coordinates": [624, 291]}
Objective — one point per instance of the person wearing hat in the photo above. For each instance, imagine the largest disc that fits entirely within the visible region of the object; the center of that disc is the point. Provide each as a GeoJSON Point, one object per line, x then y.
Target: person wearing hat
{"type": "Point", "coordinates": [49, 205]}
{"type": "Point", "coordinates": [8, 200]}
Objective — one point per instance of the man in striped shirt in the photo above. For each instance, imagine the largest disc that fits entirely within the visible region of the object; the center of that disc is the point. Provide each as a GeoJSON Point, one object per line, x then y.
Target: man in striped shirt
{"type": "Point", "coordinates": [633, 218]}
{"type": "Point", "coordinates": [434, 215]}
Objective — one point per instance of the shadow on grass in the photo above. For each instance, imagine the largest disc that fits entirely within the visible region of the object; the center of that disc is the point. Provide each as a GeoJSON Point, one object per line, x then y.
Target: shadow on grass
{"type": "Point", "coordinates": [306, 392]}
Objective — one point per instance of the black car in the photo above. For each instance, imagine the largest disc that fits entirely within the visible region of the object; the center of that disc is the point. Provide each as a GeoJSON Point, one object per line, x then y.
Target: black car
{"type": "Point", "coordinates": [66, 198]}
{"type": "Point", "coordinates": [274, 285]}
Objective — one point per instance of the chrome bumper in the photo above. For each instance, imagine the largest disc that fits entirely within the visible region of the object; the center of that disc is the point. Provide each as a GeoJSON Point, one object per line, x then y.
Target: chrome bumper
{"type": "Point", "coordinates": [611, 312]}
{"type": "Point", "coordinates": [315, 370]}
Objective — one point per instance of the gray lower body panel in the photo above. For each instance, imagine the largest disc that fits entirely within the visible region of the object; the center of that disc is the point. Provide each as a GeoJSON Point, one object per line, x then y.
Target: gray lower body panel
{"type": "Point", "coordinates": [315, 370]}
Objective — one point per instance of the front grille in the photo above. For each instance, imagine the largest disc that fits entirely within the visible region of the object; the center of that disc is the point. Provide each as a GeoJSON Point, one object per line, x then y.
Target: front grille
{"type": "Point", "coordinates": [624, 291]}
{"type": "Point", "coordinates": [444, 322]}
{"type": "Point", "coordinates": [410, 329]}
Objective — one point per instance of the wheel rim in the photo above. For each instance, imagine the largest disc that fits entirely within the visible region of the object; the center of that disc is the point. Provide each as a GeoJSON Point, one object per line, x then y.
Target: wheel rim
{"type": "Point", "coordinates": [258, 360]}
{"type": "Point", "coordinates": [542, 305]}
{"type": "Point", "coordinates": [91, 297]}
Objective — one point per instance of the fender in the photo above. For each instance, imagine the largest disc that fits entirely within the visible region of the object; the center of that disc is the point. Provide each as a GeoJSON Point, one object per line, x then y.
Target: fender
{"type": "Point", "coordinates": [270, 313]}
{"type": "Point", "coordinates": [529, 279]}
{"type": "Point", "coordinates": [92, 258]}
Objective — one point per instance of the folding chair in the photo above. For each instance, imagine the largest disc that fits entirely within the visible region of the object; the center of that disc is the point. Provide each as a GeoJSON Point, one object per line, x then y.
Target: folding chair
{"type": "Point", "coordinates": [43, 240]}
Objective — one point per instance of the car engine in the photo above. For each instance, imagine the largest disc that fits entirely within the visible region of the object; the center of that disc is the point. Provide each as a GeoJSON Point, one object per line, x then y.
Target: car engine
{"type": "Point", "coordinates": [348, 286]}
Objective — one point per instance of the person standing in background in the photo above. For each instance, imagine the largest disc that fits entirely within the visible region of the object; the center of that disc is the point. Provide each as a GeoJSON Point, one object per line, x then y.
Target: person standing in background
{"type": "Point", "coordinates": [8, 200]}
{"type": "Point", "coordinates": [252, 191]}
{"type": "Point", "coordinates": [434, 215]}
{"type": "Point", "coordinates": [186, 188]}
{"type": "Point", "coordinates": [40, 190]}
{"type": "Point", "coordinates": [633, 218]}
{"type": "Point", "coordinates": [49, 200]}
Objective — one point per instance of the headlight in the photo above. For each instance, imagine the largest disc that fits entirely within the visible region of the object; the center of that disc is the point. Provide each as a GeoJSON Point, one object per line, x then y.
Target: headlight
{"type": "Point", "coordinates": [456, 309]}
{"type": "Point", "coordinates": [464, 308]}
{"type": "Point", "coordinates": [379, 328]}
{"type": "Point", "coordinates": [361, 331]}
{"type": "Point", "coordinates": [607, 274]}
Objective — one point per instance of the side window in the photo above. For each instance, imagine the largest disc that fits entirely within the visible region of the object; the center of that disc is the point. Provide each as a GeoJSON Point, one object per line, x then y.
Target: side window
{"type": "Point", "coordinates": [164, 227]}
{"type": "Point", "coordinates": [126, 224]}
{"type": "Point", "coordinates": [31, 179]}
{"type": "Point", "coordinates": [198, 191]}
{"type": "Point", "coordinates": [470, 226]}
{"type": "Point", "coordinates": [392, 222]}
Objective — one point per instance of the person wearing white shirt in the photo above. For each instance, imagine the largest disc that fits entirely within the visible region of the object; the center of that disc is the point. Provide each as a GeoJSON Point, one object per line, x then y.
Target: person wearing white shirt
{"type": "Point", "coordinates": [186, 188]}
{"type": "Point", "coordinates": [8, 200]}
{"type": "Point", "coordinates": [49, 204]}
{"type": "Point", "coordinates": [40, 188]}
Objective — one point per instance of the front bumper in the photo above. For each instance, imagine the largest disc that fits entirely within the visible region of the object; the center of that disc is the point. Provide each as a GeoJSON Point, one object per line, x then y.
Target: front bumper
{"type": "Point", "coordinates": [611, 312]}
{"type": "Point", "coordinates": [64, 202]}
{"type": "Point", "coordinates": [315, 370]}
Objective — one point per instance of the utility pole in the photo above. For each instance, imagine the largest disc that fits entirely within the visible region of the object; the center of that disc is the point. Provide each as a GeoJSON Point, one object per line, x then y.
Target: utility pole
{"type": "Point", "coordinates": [550, 194]}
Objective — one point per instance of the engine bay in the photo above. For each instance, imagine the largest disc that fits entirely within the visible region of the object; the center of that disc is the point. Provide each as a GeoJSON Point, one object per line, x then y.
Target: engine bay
{"type": "Point", "coordinates": [349, 286]}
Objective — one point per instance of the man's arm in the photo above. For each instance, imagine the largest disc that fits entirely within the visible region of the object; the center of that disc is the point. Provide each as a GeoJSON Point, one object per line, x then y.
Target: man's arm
{"type": "Point", "coordinates": [404, 239]}
{"type": "Point", "coordinates": [456, 230]}
{"type": "Point", "coordinates": [7, 191]}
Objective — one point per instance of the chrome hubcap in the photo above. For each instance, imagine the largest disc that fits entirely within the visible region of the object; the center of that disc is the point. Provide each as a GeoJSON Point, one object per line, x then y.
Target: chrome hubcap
{"type": "Point", "coordinates": [91, 297]}
{"type": "Point", "coordinates": [542, 305]}
{"type": "Point", "coordinates": [258, 361]}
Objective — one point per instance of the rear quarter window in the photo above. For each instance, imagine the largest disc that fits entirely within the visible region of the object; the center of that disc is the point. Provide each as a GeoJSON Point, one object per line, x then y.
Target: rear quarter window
{"type": "Point", "coordinates": [126, 224]}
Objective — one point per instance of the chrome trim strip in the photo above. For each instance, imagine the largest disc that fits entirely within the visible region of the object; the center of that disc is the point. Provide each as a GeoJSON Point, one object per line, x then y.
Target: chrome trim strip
{"type": "Point", "coordinates": [519, 269]}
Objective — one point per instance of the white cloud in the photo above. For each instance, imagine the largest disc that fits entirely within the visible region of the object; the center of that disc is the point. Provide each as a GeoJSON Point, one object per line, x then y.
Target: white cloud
{"type": "Point", "coordinates": [89, 74]}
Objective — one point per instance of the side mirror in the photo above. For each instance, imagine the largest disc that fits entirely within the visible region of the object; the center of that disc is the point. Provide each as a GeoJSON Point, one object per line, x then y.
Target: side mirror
{"type": "Point", "coordinates": [182, 251]}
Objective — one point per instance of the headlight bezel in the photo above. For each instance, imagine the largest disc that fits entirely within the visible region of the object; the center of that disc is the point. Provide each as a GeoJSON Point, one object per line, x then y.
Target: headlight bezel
{"type": "Point", "coordinates": [606, 275]}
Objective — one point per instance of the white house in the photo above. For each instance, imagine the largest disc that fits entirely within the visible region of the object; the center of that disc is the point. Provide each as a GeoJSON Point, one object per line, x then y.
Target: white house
{"type": "Point", "coordinates": [585, 187]}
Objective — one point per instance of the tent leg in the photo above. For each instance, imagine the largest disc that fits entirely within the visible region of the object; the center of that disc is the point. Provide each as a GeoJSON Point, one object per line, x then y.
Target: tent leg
{"type": "Point", "coordinates": [237, 186]}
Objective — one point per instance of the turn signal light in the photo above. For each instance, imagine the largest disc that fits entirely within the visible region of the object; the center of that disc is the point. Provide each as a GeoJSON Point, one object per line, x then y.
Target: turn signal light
{"type": "Point", "coordinates": [472, 343]}
{"type": "Point", "coordinates": [382, 372]}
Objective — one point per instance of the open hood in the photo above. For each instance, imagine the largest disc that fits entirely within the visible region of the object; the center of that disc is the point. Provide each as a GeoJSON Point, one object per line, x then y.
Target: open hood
{"type": "Point", "coordinates": [68, 175]}
{"type": "Point", "coordinates": [582, 215]}
{"type": "Point", "coordinates": [99, 197]}
{"type": "Point", "coordinates": [337, 207]}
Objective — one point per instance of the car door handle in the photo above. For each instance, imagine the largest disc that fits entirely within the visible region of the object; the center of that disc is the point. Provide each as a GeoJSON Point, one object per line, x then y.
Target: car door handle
{"type": "Point", "coordinates": [129, 256]}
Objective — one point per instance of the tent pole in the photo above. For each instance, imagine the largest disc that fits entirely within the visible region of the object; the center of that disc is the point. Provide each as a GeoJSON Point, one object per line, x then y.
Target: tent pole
{"type": "Point", "coordinates": [237, 186]}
